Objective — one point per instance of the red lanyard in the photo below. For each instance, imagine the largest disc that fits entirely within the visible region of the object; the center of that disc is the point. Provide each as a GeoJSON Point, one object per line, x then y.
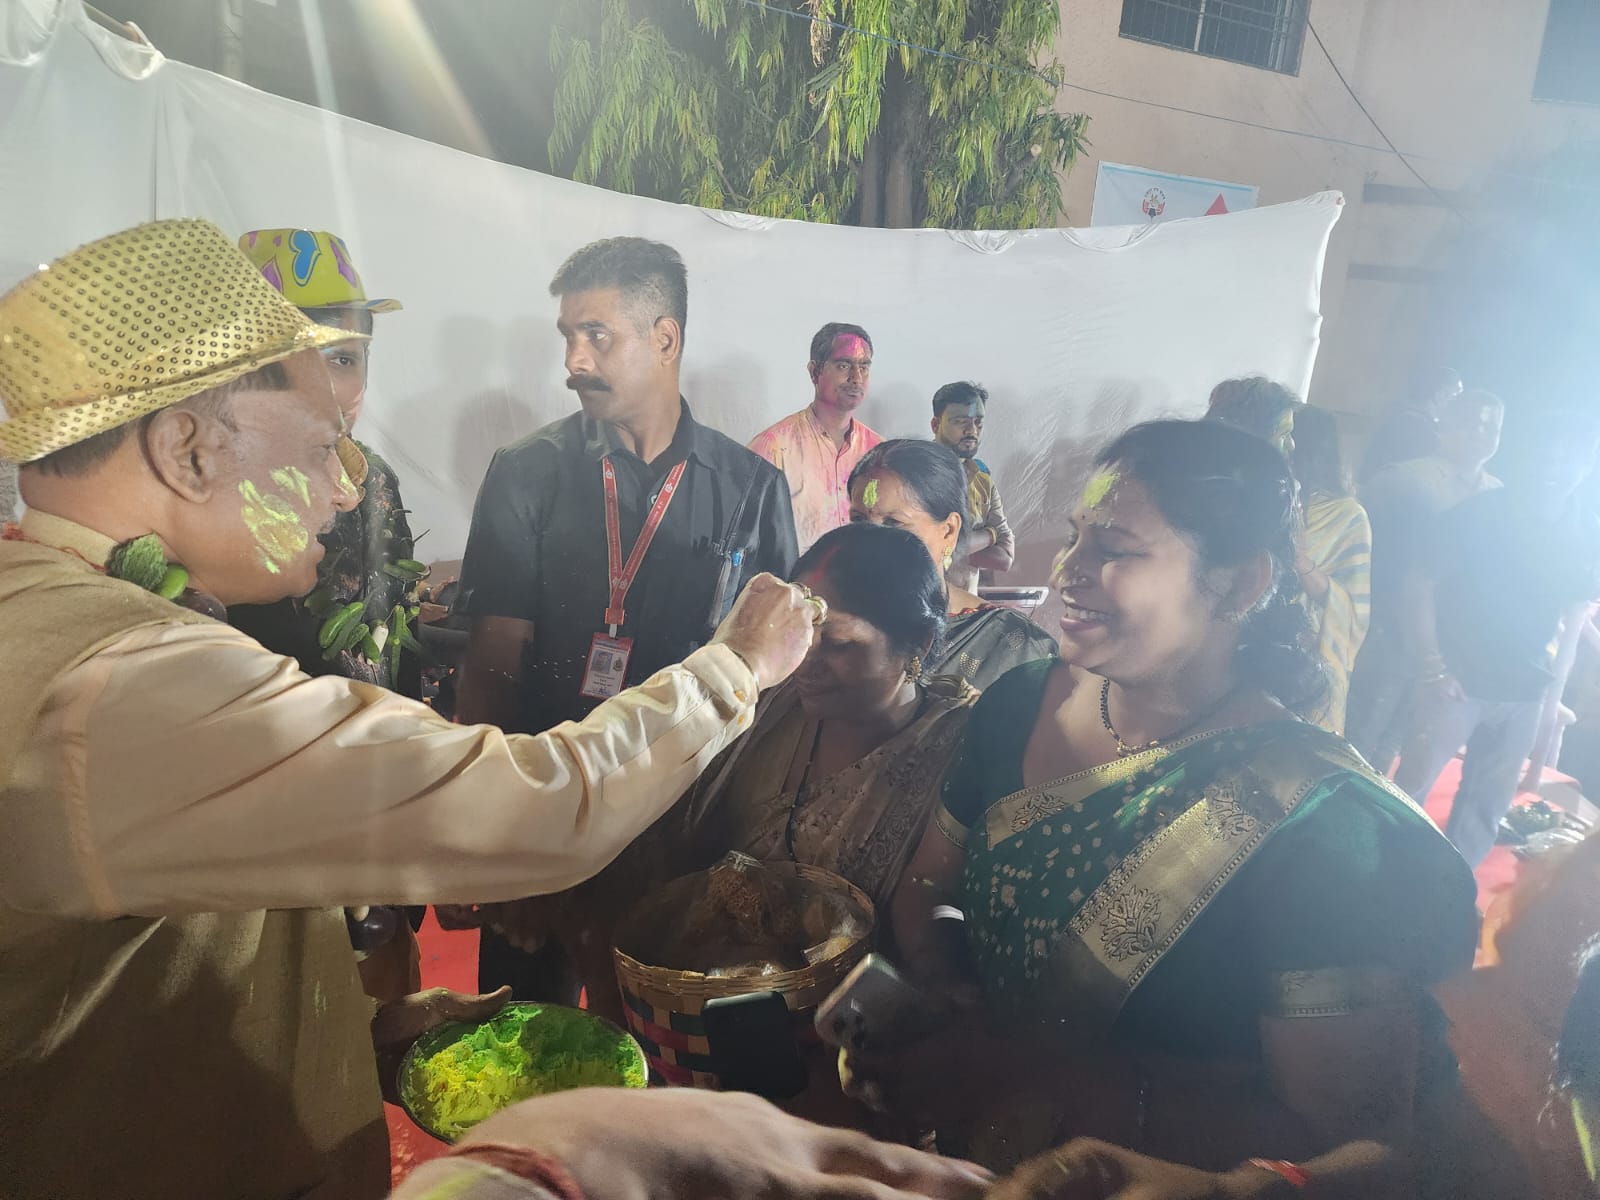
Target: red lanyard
{"type": "Point", "coordinates": [622, 576]}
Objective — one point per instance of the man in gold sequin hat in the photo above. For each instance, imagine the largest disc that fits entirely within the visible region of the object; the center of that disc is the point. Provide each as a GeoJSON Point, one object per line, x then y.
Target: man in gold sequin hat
{"type": "Point", "coordinates": [182, 810]}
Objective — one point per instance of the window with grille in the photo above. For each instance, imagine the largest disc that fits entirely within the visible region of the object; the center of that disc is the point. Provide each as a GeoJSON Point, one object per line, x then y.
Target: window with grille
{"type": "Point", "coordinates": [1259, 33]}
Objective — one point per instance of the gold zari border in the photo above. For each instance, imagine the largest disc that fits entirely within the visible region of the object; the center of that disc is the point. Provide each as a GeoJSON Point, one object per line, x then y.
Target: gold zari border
{"type": "Point", "coordinates": [1152, 897]}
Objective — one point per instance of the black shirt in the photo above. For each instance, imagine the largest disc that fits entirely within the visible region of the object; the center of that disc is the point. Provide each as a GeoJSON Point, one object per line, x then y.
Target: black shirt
{"type": "Point", "coordinates": [537, 549]}
{"type": "Point", "coordinates": [1503, 582]}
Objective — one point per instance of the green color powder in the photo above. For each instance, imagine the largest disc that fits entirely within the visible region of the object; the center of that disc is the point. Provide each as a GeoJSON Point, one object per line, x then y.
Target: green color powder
{"type": "Point", "coordinates": [464, 1074]}
{"type": "Point", "coordinates": [869, 494]}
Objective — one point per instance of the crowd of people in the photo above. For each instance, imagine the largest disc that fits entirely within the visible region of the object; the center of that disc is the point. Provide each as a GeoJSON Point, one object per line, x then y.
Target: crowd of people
{"type": "Point", "coordinates": [1204, 948]}
{"type": "Point", "coordinates": [1448, 605]}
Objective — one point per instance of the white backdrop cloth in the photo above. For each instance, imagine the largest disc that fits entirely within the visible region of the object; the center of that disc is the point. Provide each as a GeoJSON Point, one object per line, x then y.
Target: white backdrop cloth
{"type": "Point", "coordinates": [1076, 333]}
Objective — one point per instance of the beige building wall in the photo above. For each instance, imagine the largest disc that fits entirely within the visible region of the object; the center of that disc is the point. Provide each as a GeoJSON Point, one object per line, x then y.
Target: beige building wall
{"type": "Point", "coordinates": [1450, 81]}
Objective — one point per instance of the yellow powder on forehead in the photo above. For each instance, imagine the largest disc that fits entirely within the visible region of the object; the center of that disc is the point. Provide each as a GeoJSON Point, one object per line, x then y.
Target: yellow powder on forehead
{"type": "Point", "coordinates": [1099, 487]}
{"type": "Point", "coordinates": [869, 494]}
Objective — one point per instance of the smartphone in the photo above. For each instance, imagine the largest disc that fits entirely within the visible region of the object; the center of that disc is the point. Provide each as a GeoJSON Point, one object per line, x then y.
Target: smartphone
{"type": "Point", "coordinates": [875, 1008]}
{"type": "Point", "coordinates": [753, 1047]}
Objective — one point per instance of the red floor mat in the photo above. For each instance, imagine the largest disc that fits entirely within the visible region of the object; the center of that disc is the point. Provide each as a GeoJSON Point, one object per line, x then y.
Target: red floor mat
{"type": "Point", "coordinates": [1498, 872]}
{"type": "Point", "coordinates": [449, 959]}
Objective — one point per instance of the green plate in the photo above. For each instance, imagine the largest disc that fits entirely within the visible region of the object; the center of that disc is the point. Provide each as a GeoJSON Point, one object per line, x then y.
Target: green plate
{"type": "Point", "coordinates": [460, 1074]}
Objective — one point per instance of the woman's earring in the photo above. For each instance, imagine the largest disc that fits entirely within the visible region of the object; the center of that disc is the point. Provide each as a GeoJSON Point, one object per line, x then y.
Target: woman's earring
{"type": "Point", "coordinates": [949, 560]}
{"type": "Point", "coordinates": [914, 669]}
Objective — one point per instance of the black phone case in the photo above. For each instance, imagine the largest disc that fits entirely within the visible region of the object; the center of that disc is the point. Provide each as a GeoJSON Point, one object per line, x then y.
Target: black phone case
{"type": "Point", "coordinates": [753, 1047]}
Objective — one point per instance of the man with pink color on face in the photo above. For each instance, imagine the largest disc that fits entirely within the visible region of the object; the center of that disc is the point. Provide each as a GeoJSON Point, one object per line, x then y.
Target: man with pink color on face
{"type": "Point", "coordinates": [818, 447]}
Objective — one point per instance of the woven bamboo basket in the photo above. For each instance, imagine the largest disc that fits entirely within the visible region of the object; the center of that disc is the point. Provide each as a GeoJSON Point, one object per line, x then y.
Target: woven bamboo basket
{"type": "Point", "coordinates": [663, 1005]}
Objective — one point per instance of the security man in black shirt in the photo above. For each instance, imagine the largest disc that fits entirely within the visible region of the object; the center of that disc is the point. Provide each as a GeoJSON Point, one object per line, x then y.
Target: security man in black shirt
{"type": "Point", "coordinates": [608, 544]}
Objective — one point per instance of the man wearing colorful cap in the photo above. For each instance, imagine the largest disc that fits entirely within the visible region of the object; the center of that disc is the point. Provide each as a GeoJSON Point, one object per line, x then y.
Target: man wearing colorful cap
{"type": "Point", "coordinates": [368, 568]}
{"type": "Point", "coordinates": [369, 550]}
{"type": "Point", "coordinates": [182, 810]}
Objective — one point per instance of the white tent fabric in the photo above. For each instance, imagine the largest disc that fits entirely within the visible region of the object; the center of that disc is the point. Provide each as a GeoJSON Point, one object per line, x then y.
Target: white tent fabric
{"type": "Point", "coordinates": [1076, 333]}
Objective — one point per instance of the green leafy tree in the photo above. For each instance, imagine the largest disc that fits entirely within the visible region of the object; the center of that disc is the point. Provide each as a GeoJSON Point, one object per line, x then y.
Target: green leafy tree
{"type": "Point", "coordinates": [821, 110]}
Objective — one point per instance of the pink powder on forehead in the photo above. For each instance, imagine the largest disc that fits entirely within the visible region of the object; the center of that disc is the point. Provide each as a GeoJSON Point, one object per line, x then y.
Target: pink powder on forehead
{"type": "Point", "coordinates": [850, 345]}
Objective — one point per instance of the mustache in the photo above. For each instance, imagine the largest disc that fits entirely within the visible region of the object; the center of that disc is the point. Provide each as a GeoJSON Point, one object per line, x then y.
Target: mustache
{"type": "Point", "coordinates": [587, 383]}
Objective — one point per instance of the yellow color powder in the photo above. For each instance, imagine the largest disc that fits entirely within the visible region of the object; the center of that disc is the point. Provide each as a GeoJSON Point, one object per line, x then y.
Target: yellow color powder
{"type": "Point", "coordinates": [293, 481]}
{"type": "Point", "coordinates": [869, 494]}
{"type": "Point", "coordinates": [279, 533]}
{"type": "Point", "coordinates": [1098, 488]}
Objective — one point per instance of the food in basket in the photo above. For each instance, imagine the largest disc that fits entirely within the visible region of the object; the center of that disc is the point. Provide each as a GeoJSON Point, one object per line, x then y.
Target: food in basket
{"type": "Point", "coordinates": [745, 919]}
{"type": "Point", "coordinates": [748, 921]}
{"type": "Point", "coordinates": [463, 1074]}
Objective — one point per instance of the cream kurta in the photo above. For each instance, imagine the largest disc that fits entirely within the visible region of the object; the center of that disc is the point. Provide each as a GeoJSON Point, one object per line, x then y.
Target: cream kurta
{"type": "Point", "coordinates": [174, 767]}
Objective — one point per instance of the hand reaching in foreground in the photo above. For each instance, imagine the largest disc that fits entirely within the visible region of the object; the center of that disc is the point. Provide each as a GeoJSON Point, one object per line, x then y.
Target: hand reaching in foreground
{"type": "Point", "coordinates": [1091, 1170]}
{"type": "Point", "coordinates": [770, 627]}
{"type": "Point", "coordinates": [654, 1145]}
{"type": "Point", "coordinates": [399, 1024]}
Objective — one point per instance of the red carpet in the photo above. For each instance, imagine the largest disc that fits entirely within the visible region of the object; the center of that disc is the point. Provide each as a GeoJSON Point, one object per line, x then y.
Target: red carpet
{"type": "Point", "coordinates": [1498, 872]}
{"type": "Point", "coordinates": [448, 960]}
{"type": "Point", "coordinates": [451, 960]}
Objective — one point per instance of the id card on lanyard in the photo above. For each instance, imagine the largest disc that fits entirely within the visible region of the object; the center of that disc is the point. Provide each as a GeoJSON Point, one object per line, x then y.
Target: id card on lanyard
{"type": "Point", "coordinates": [607, 665]}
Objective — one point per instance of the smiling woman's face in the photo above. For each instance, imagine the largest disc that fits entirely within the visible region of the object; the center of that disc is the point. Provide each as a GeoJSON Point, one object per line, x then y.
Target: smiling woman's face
{"type": "Point", "coordinates": [1135, 607]}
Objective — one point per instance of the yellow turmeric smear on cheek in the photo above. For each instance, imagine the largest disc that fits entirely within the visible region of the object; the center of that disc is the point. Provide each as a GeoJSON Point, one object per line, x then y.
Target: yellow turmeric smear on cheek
{"type": "Point", "coordinates": [293, 481]}
{"type": "Point", "coordinates": [279, 533]}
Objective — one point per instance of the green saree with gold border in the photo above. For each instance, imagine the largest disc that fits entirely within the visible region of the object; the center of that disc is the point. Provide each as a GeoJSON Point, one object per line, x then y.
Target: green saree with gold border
{"type": "Point", "coordinates": [1173, 898]}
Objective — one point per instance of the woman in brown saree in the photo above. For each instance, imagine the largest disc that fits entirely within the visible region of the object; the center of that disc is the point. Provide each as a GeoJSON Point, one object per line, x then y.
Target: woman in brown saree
{"type": "Point", "coordinates": [841, 767]}
{"type": "Point", "coordinates": [1201, 928]}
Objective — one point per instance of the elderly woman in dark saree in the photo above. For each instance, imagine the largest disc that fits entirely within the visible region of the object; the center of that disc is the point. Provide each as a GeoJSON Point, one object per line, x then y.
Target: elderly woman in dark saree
{"type": "Point", "coordinates": [841, 768]}
{"type": "Point", "coordinates": [1200, 927]}
{"type": "Point", "coordinates": [922, 487]}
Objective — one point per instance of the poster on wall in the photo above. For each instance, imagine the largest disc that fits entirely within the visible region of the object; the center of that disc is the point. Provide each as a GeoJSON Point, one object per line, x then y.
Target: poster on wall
{"type": "Point", "coordinates": [1126, 195]}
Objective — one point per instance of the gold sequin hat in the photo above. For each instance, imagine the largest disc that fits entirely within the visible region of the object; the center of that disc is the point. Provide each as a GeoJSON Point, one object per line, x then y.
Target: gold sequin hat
{"type": "Point", "coordinates": [134, 323]}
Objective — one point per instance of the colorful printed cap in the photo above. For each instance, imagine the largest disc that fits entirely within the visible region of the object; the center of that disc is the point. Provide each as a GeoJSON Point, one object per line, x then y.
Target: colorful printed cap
{"type": "Point", "coordinates": [311, 268]}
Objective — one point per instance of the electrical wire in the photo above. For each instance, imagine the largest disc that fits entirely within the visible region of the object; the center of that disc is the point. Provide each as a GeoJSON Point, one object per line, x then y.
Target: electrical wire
{"type": "Point", "coordinates": [1373, 121]}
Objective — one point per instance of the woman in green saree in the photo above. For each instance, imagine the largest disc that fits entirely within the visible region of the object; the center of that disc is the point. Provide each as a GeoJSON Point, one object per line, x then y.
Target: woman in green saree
{"type": "Point", "coordinates": [921, 486]}
{"type": "Point", "coordinates": [1201, 928]}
